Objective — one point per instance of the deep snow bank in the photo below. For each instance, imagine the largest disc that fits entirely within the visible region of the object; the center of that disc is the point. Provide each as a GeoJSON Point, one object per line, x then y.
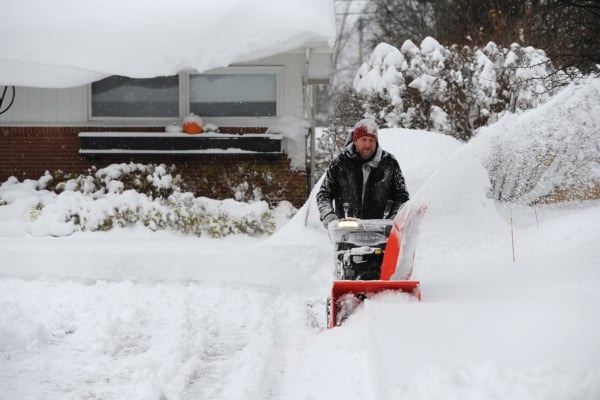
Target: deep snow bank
{"type": "Point", "coordinates": [550, 152]}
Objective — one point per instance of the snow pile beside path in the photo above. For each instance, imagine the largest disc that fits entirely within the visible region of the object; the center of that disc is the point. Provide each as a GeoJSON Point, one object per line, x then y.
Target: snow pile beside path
{"type": "Point", "coordinates": [419, 153]}
{"type": "Point", "coordinates": [550, 152]}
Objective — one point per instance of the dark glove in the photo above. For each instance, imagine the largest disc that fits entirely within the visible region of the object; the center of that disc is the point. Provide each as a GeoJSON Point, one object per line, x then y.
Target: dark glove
{"type": "Point", "coordinates": [328, 218]}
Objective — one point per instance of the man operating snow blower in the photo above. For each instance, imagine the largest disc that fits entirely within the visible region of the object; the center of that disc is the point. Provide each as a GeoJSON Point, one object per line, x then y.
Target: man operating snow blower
{"type": "Point", "coordinates": [361, 194]}
{"type": "Point", "coordinates": [364, 176]}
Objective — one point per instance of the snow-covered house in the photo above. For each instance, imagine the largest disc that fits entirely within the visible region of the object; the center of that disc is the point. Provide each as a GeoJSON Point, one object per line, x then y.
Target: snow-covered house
{"type": "Point", "coordinates": [87, 84]}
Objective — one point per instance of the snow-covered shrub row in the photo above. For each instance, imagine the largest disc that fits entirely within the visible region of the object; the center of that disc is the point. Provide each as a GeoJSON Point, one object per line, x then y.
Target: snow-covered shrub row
{"type": "Point", "coordinates": [123, 195]}
{"type": "Point", "coordinates": [453, 90]}
{"type": "Point", "coordinates": [156, 181]}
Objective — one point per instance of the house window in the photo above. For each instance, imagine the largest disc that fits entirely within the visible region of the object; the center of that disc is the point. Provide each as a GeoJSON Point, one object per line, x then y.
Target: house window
{"type": "Point", "coordinates": [117, 96]}
{"type": "Point", "coordinates": [233, 95]}
{"type": "Point", "coordinates": [235, 92]}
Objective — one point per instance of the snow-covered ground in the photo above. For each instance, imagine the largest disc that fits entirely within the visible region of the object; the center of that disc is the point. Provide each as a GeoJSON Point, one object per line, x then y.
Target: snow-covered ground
{"type": "Point", "coordinates": [509, 309]}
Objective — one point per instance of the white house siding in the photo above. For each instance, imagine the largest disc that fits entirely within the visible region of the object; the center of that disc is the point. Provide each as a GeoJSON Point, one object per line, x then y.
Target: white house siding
{"type": "Point", "coordinates": [47, 107]}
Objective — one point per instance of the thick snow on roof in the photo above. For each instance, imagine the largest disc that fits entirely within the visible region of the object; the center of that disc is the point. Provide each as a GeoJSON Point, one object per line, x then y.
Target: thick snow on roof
{"type": "Point", "coordinates": [69, 42]}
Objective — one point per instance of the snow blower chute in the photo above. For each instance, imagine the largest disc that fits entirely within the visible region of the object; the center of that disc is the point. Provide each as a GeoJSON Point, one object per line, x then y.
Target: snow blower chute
{"type": "Point", "coordinates": [372, 256]}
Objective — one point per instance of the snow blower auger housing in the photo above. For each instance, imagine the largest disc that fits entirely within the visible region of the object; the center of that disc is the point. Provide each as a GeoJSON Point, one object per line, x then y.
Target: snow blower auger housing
{"type": "Point", "coordinates": [368, 260]}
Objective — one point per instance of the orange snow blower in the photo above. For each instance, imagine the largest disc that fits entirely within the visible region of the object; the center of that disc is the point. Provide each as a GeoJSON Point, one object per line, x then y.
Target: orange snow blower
{"type": "Point", "coordinates": [372, 256]}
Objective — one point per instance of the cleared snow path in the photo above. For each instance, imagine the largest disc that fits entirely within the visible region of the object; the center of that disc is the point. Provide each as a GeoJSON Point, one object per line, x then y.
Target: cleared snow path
{"type": "Point", "coordinates": [116, 340]}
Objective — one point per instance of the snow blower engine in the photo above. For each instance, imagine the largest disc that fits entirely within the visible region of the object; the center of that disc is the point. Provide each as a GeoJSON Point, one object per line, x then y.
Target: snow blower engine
{"type": "Point", "coordinates": [359, 248]}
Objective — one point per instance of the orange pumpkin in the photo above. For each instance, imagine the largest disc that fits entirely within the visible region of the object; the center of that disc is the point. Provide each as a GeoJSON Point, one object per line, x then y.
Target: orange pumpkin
{"type": "Point", "coordinates": [192, 128]}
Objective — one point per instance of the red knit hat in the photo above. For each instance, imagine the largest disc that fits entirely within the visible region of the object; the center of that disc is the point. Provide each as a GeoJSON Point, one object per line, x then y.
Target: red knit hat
{"type": "Point", "coordinates": [365, 127]}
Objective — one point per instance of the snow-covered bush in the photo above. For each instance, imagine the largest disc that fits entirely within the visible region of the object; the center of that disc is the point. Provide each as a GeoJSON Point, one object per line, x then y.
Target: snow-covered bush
{"type": "Point", "coordinates": [122, 195]}
{"type": "Point", "coordinates": [453, 90]}
{"type": "Point", "coordinates": [156, 181]}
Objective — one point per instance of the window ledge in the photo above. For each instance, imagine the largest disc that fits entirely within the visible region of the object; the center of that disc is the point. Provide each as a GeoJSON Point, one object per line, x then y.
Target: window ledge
{"type": "Point", "coordinates": [177, 143]}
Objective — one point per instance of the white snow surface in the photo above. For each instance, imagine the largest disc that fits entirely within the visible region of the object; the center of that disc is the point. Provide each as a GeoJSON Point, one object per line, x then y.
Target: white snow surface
{"type": "Point", "coordinates": [70, 43]}
{"type": "Point", "coordinates": [509, 307]}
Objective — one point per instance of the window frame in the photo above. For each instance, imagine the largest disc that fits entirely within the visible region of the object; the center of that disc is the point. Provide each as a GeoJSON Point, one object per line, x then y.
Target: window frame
{"type": "Point", "coordinates": [125, 120]}
{"type": "Point", "coordinates": [184, 100]}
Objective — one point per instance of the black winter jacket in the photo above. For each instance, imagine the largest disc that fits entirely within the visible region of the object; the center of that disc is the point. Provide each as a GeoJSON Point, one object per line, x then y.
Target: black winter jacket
{"type": "Point", "coordinates": [343, 183]}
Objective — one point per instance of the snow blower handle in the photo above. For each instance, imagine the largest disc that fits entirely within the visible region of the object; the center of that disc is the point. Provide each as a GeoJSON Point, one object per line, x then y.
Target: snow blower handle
{"type": "Point", "coordinates": [346, 209]}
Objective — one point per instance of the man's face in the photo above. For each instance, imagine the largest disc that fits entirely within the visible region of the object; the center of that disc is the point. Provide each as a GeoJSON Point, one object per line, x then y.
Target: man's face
{"type": "Point", "coordinates": [365, 146]}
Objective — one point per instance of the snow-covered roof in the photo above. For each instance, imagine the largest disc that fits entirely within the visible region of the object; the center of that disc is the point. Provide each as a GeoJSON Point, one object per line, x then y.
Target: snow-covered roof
{"type": "Point", "coordinates": [71, 42]}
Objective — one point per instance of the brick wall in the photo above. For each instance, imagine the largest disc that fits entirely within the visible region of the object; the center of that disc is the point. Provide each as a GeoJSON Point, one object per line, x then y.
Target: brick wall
{"type": "Point", "coordinates": [27, 152]}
